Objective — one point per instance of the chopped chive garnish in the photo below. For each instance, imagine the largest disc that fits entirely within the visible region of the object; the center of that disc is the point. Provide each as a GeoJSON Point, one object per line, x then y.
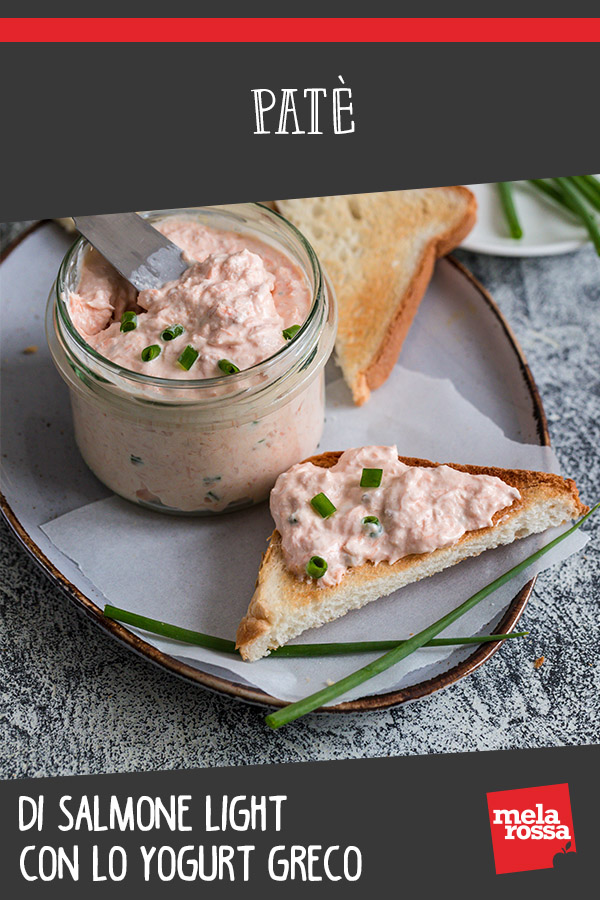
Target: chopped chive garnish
{"type": "Point", "coordinates": [289, 333]}
{"type": "Point", "coordinates": [372, 525]}
{"type": "Point", "coordinates": [316, 567]}
{"type": "Point", "coordinates": [382, 663]}
{"type": "Point", "coordinates": [172, 332]}
{"type": "Point", "coordinates": [371, 477]}
{"type": "Point", "coordinates": [150, 353]}
{"type": "Point", "coordinates": [187, 636]}
{"type": "Point", "coordinates": [128, 321]}
{"type": "Point", "coordinates": [227, 367]}
{"type": "Point", "coordinates": [187, 359]}
{"type": "Point", "coordinates": [323, 505]}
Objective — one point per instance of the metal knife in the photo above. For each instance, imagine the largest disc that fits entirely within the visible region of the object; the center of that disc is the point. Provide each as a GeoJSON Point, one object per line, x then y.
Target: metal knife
{"type": "Point", "coordinates": [138, 251]}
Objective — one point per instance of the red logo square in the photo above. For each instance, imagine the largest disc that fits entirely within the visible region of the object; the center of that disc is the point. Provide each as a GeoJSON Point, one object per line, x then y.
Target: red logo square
{"type": "Point", "coordinates": [532, 828]}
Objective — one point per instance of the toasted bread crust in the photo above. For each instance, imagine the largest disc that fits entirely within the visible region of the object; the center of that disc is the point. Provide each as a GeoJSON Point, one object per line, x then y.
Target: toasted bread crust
{"type": "Point", "coordinates": [385, 359]}
{"type": "Point", "coordinates": [399, 233]}
{"type": "Point", "coordinates": [534, 487]}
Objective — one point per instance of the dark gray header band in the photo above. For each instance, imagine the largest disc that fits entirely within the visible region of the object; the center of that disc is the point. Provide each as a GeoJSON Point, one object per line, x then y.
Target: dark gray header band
{"type": "Point", "coordinates": [102, 128]}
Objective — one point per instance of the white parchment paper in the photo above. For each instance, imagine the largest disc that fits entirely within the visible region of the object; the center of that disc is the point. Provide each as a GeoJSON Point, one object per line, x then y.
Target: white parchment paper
{"type": "Point", "coordinates": [200, 573]}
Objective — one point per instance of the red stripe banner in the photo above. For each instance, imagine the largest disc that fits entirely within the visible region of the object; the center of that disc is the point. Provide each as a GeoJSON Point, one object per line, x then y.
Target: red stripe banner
{"type": "Point", "coordinates": [289, 30]}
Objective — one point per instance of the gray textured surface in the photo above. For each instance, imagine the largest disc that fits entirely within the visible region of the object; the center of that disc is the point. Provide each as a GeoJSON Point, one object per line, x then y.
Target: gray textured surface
{"type": "Point", "coordinates": [75, 702]}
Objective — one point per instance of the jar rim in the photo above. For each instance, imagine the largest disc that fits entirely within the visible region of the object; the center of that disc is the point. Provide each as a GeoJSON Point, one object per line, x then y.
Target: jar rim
{"type": "Point", "coordinates": [288, 352]}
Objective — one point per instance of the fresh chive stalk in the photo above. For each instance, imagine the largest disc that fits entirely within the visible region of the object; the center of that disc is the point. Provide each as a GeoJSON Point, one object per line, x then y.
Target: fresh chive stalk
{"type": "Point", "coordinates": [583, 212]}
{"type": "Point", "coordinates": [323, 505]}
{"type": "Point", "coordinates": [593, 182]}
{"type": "Point", "coordinates": [550, 191]}
{"type": "Point", "coordinates": [561, 198]}
{"type": "Point", "coordinates": [150, 353]}
{"type": "Point", "coordinates": [508, 205]}
{"type": "Point", "coordinates": [170, 631]}
{"type": "Point", "coordinates": [289, 333]}
{"type": "Point", "coordinates": [187, 636]}
{"type": "Point", "coordinates": [172, 332]}
{"type": "Point", "coordinates": [227, 367]}
{"type": "Point", "coordinates": [591, 195]}
{"type": "Point", "coordinates": [128, 321]}
{"type": "Point", "coordinates": [188, 357]}
{"type": "Point", "coordinates": [381, 664]}
{"type": "Point", "coordinates": [345, 648]}
{"type": "Point", "coordinates": [371, 478]}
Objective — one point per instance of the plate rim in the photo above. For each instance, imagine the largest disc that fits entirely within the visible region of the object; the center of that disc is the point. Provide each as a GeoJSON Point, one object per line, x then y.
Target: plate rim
{"type": "Point", "coordinates": [518, 252]}
{"type": "Point", "coordinates": [247, 693]}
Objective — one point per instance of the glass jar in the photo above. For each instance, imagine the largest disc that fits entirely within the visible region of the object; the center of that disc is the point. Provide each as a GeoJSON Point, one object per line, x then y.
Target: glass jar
{"type": "Point", "coordinates": [199, 446]}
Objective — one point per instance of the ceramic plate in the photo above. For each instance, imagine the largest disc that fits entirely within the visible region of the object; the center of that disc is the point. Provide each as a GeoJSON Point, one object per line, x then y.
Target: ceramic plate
{"type": "Point", "coordinates": [547, 229]}
{"type": "Point", "coordinates": [44, 477]}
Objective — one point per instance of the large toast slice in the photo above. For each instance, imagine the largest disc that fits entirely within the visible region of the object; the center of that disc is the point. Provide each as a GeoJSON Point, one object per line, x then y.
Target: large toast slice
{"type": "Point", "coordinates": [379, 251]}
{"type": "Point", "coordinates": [283, 606]}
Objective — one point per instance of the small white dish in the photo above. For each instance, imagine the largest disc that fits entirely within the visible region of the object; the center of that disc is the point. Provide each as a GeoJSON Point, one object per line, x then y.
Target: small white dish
{"type": "Point", "coordinates": [548, 230]}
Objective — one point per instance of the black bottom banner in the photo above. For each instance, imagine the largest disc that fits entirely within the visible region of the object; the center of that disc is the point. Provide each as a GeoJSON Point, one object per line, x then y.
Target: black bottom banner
{"type": "Point", "coordinates": [475, 823]}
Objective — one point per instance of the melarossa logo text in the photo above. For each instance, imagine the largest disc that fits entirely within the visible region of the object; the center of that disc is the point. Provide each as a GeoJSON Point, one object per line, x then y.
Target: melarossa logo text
{"type": "Point", "coordinates": [531, 824]}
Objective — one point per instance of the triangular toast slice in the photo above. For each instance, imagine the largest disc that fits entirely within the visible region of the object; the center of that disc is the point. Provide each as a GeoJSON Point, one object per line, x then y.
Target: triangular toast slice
{"type": "Point", "coordinates": [283, 606]}
{"type": "Point", "coordinates": [379, 251]}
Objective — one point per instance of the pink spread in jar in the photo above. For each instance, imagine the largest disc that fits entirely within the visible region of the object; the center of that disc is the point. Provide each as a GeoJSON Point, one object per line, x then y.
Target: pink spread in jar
{"type": "Point", "coordinates": [233, 303]}
{"type": "Point", "coordinates": [415, 509]}
{"type": "Point", "coordinates": [197, 438]}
